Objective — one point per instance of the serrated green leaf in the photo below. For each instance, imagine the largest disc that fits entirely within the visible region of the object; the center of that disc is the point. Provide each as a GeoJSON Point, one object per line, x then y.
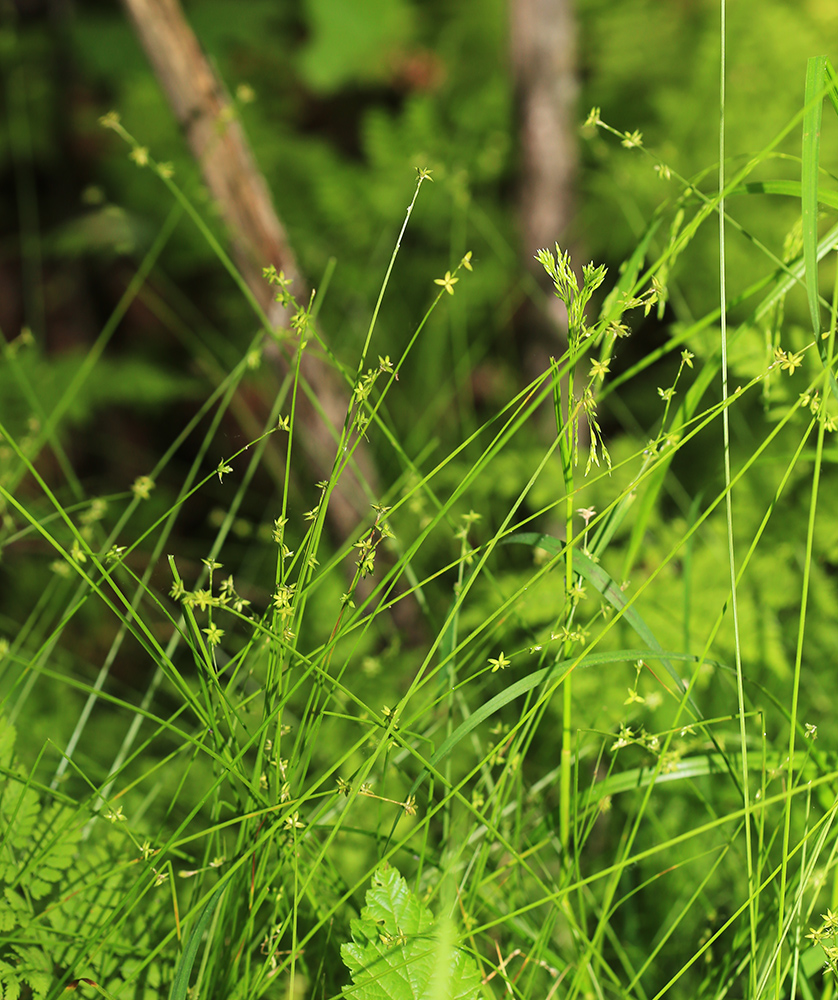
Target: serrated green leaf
{"type": "Point", "coordinates": [49, 874]}
{"type": "Point", "coordinates": [395, 954]}
{"type": "Point", "coordinates": [9, 982]}
{"type": "Point", "coordinates": [14, 911]}
{"type": "Point", "coordinates": [8, 918]}
{"type": "Point", "coordinates": [54, 853]}
{"type": "Point", "coordinates": [19, 809]}
{"type": "Point", "coordinates": [37, 888]}
{"type": "Point", "coordinates": [32, 967]}
{"type": "Point", "coordinates": [39, 983]}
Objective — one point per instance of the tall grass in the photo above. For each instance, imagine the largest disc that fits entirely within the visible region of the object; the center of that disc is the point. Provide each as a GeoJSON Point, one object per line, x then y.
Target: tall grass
{"type": "Point", "coordinates": [518, 682]}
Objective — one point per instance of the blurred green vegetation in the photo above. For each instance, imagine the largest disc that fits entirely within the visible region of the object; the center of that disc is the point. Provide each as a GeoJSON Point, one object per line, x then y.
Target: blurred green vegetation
{"type": "Point", "coordinates": [348, 100]}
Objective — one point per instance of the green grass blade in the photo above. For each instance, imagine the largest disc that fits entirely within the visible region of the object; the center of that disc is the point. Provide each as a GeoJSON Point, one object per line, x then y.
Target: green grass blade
{"type": "Point", "coordinates": [180, 983]}
{"type": "Point", "coordinates": [815, 86]}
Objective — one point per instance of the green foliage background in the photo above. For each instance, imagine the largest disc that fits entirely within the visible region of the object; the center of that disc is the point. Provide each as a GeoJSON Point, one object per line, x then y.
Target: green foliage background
{"type": "Point", "coordinates": [350, 98]}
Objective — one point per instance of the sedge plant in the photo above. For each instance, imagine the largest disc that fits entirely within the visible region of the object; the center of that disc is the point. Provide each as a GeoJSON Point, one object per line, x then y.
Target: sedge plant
{"type": "Point", "coordinates": [504, 739]}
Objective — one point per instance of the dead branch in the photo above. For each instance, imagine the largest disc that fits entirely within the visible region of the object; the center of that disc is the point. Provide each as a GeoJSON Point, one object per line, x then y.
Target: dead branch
{"type": "Point", "coordinates": [543, 58]}
{"type": "Point", "coordinates": [257, 236]}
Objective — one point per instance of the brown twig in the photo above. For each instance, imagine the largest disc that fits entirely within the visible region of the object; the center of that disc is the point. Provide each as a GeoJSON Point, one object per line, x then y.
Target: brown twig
{"type": "Point", "coordinates": [543, 47]}
{"type": "Point", "coordinates": [257, 236]}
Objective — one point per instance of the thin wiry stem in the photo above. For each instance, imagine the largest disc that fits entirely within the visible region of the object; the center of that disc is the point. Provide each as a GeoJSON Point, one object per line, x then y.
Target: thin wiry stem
{"type": "Point", "coordinates": [734, 607]}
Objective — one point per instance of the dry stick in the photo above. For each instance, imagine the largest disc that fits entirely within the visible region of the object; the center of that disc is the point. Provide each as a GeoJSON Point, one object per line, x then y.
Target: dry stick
{"type": "Point", "coordinates": [257, 236]}
{"type": "Point", "coordinates": [543, 56]}
{"type": "Point", "coordinates": [543, 50]}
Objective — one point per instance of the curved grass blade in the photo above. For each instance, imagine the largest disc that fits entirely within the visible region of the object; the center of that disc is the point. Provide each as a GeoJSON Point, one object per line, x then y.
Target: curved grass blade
{"type": "Point", "coordinates": [180, 982]}
{"type": "Point", "coordinates": [820, 82]}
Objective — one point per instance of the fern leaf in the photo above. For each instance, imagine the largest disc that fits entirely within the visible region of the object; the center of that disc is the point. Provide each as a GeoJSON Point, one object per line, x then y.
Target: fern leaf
{"type": "Point", "coordinates": [395, 953]}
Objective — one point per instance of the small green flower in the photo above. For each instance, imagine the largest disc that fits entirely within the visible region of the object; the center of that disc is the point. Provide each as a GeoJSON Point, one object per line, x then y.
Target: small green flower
{"type": "Point", "coordinates": [222, 470]}
{"type": "Point", "coordinates": [214, 634]}
{"type": "Point", "coordinates": [202, 599]}
{"type": "Point", "coordinates": [599, 369]}
{"type": "Point", "coordinates": [815, 935]}
{"type": "Point", "coordinates": [632, 140]}
{"type": "Point", "coordinates": [624, 739]}
{"type": "Point", "coordinates": [792, 362]}
{"type": "Point", "coordinates": [293, 822]}
{"type": "Point", "coordinates": [787, 362]}
{"type": "Point", "coordinates": [95, 512]}
{"type": "Point", "coordinates": [618, 329]}
{"type": "Point", "coordinates": [139, 154]}
{"type": "Point", "coordinates": [500, 663]}
{"type": "Point", "coordinates": [142, 487]}
{"type": "Point", "coordinates": [447, 282]}
{"type": "Point", "coordinates": [283, 597]}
